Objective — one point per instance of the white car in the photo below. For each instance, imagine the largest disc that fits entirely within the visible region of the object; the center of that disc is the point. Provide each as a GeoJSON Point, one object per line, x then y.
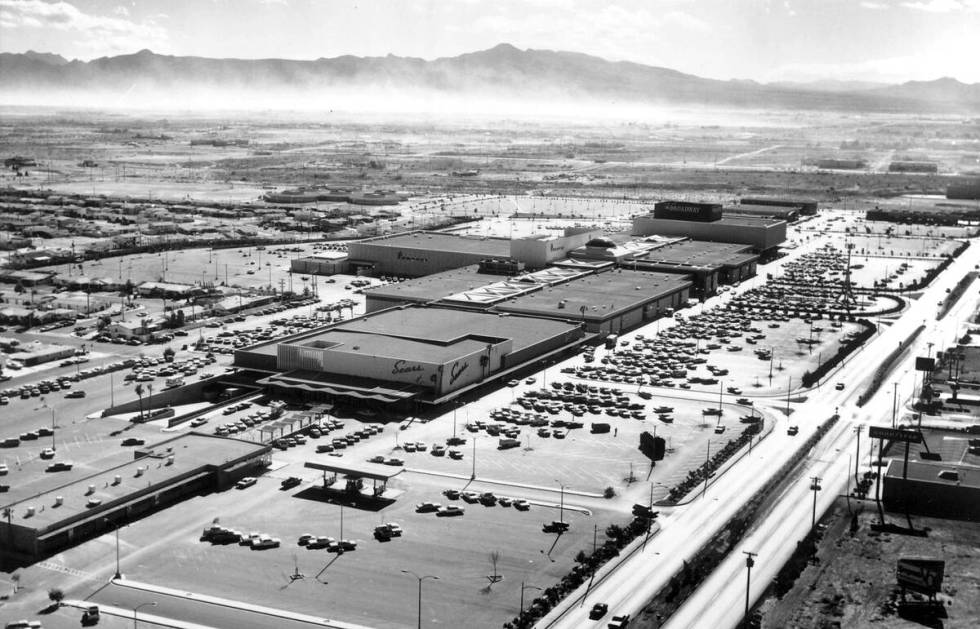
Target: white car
{"type": "Point", "coordinates": [264, 541]}
{"type": "Point", "coordinates": [246, 482]}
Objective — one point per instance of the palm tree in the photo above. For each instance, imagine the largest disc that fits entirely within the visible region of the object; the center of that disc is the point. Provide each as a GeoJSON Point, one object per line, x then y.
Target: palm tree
{"type": "Point", "coordinates": [139, 392]}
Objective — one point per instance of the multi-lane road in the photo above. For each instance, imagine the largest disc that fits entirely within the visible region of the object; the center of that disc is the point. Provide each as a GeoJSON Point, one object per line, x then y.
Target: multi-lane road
{"type": "Point", "coordinates": [720, 600]}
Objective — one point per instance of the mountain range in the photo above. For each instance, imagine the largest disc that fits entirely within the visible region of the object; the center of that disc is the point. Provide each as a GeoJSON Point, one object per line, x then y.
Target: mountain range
{"type": "Point", "coordinates": [502, 71]}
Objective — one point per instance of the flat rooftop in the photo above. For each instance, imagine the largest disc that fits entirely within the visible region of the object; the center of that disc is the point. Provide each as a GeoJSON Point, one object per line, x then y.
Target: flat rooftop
{"type": "Point", "coordinates": [435, 286]}
{"type": "Point", "coordinates": [374, 471]}
{"type": "Point", "coordinates": [725, 220]}
{"type": "Point", "coordinates": [467, 285]}
{"type": "Point", "coordinates": [439, 332]}
{"type": "Point", "coordinates": [929, 472]}
{"type": "Point", "coordinates": [437, 241]}
{"type": "Point", "coordinates": [701, 253]}
{"type": "Point", "coordinates": [191, 451]}
{"type": "Point", "coordinates": [602, 295]}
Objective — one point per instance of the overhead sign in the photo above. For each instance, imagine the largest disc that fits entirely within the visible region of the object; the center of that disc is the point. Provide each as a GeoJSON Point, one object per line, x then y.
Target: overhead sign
{"type": "Point", "coordinates": [893, 434]}
{"type": "Point", "coordinates": [921, 575]}
{"type": "Point", "coordinates": [925, 364]}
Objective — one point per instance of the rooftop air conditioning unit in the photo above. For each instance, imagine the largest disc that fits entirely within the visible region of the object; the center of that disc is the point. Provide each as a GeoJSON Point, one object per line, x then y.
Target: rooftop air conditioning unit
{"type": "Point", "coordinates": [58, 501]}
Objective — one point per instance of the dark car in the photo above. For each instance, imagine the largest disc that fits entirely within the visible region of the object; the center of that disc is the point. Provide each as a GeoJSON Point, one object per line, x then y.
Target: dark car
{"type": "Point", "coordinates": [77, 393]}
{"type": "Point", "coordinates": [555, 527]}
{"type": "Point", "coordinates": [598, 611]}
{"type": "Point", "coordinates": [60, 466]}
{"type": "Point", "coordinates": [290, 482]}
{"type": "Point", "coordinates": [133, 441]}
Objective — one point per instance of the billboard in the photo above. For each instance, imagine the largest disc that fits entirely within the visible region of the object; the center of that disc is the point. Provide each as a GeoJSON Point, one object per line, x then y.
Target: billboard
{"type": "Point", "coordinates": [925, 364]}
{"type": "Point", "coordinates": [921, 575]}
{"type": "Point", "coordinates": [893, 434]}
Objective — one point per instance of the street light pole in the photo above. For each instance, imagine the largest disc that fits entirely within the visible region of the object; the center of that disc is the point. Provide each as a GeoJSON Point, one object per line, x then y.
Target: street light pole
{"type": "Point", "coordinates": [749, 562]}
{"type": "Point", "coordinates": [815, 486]}
{"type": "Point", "coordinates": [857, 453]}
{"type": "Point", "coordinates": [137, 608]}
{"type": "Point", "coordinates": [525, 587]}
{"type": "Point", "coordinates": [420, 579]}
{"type": "Point", "coordinates": [561, 502]}
{"type": "Point", "coordinates": [894, 402]}
{"type": "Point", "coordinates": [118, 572]}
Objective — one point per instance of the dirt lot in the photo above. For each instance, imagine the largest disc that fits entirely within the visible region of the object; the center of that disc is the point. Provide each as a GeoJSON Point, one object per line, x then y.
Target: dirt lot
{"type": "Point", "coordinates": [853, 583]}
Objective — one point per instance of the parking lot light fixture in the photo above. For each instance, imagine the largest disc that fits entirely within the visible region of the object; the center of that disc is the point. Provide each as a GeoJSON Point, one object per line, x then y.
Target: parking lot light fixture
{"type": "Point", "coordinates": [526, 587]}
{"type": "Point", "coordinates": [420, 580]}
{"type": "Point", "coordinates": [561, 502]}
{"type": "Point", "coordinates": [138, 607]}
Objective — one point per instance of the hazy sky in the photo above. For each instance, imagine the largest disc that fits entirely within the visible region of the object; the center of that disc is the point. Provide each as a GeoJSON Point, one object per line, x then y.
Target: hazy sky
{"type": "Point", "coordinates": [766, 40]}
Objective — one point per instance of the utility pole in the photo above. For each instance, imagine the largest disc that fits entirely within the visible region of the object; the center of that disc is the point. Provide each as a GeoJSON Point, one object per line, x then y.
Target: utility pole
{"type": "Point", "coordinates": [789, 387]}
{"type": "Point", "coordinates": [815, 486]}
{"type": "Point", "coordinates": [707, 459]}
{"type": "Point", "coordinates": [857, 453]}
{"type": "Point", "coordinates": [749, 562]}
{"type": "Point", "coordinates": [894, 402]}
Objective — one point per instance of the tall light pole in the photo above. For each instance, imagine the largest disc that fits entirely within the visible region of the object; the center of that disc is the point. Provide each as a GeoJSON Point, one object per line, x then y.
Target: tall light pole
{"type": "Point", "coordinates": [561, 501]}
{"type": "Point", "coordinates": [815, 486]}
{"type": "Point", "coordinates": [857, 453]}
{"type": "Point", "coordinates": [525, 587]}
{"type": "Point", "coordinates": [749, 562]}
{"type": "Point", "coordinates": [137, 608]}
{"type": "Point", "coordinates": [894, 402]}
{"type": "Point", "coordinates": [421, 579]}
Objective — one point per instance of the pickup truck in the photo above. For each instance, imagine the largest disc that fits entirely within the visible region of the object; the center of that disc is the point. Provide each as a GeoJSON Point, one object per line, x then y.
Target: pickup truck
{"type": "Point", "coordinates": [619, 622]}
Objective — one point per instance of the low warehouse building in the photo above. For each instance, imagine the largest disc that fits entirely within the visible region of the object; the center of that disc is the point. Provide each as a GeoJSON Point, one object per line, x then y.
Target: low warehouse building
{"type": "Point", "coordinates": [610, 302]}
{"type": "Point", "coordinates": [89, 504]}
{"type": "Point", "coordinates": [806, 207]}
{"type": "Point", "coordinates": [322, 263]}
{"type": "Point", "coordinates": [408, 354]}
{"type": "Point", "coordinates": [763, 234]}
{"type": "Point", "coordinates": [935, 489]}
{"type": "Point", "coordinates": [423, 253]}
{"type": "Point", "coordinates": [464, 287]}
{"type": "Point", "coordinates": [788, 214]}
{"type": "Point", "coordinates": [709, 263]}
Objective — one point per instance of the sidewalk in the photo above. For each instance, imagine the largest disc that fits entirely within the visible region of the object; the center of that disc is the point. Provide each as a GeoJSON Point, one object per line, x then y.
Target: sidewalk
{"type": "Point", "coordinates": [145, 617]}
{"type": "Point", "coordinates": [478, 479]}
{"type": "Point", "coordinates": [248, 607]}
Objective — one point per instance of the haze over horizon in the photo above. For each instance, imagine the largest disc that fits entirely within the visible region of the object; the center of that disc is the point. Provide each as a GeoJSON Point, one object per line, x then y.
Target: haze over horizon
{"type": "Point", "coordinates": [885, 41]}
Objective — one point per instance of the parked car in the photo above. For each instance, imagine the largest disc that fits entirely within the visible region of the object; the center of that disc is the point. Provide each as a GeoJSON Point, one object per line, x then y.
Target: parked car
{"type": "Point", "coordinates": [246, 482]}
{"type": "Point", "coordinates": [265, 541]}
{"type": "Point", "coordinates": [427, 507]}
{"type": "Point", "coordinates": [449, 511]}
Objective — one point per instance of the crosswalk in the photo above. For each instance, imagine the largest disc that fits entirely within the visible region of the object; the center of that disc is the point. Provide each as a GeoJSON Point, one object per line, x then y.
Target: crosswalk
{"type": "Point", "coordinates": [57, 567]}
